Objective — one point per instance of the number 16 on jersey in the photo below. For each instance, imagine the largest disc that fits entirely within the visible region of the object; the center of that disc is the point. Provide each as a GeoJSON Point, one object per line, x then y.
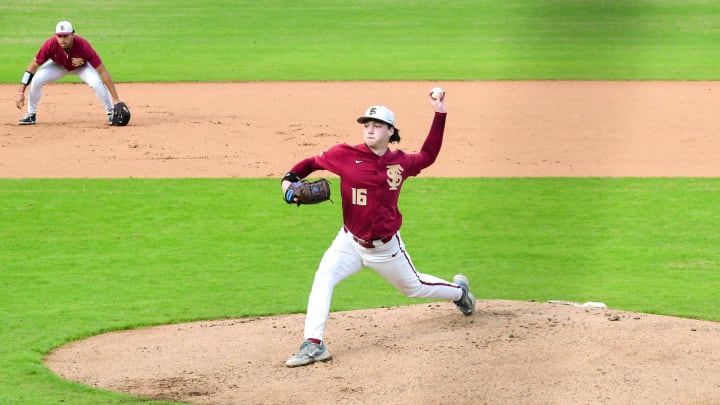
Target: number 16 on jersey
{"type": "Point", "coordinates": [359, 196]}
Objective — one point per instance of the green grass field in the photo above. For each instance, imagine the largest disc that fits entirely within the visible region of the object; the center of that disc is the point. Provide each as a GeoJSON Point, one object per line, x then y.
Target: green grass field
{"type": "Point", "coordinates": [83, 256]}
{"type": "Point", "coordinates": [227, 40]}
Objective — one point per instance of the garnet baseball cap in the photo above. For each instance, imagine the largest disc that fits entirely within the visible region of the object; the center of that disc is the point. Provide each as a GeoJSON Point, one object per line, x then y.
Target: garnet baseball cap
{"type": "Point", "coordinates": [378, 113]}
{"type": "Point", "coordinates": [64, 28]}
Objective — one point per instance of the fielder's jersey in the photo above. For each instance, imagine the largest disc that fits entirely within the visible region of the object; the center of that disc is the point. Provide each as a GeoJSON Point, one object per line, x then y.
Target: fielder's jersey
{"type": "Point", "coordinates": [81, 49]}
{"type": "Point", "coordinates": [370, 185]}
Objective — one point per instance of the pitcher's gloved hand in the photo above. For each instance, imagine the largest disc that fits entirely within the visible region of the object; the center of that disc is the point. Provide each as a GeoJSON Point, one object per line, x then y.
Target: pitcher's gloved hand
{"type": "Point", "coordinates": [305, 192]}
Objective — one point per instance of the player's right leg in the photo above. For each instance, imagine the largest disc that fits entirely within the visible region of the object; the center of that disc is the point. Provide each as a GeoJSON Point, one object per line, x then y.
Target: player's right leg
{"type": "Point", "coordinates": [393, 263]}
{"type": "Point", "coordinates": [47, 73]}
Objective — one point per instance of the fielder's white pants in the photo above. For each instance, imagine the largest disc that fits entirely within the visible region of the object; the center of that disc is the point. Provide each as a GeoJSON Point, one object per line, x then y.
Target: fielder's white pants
{"type": "Point", "coordinates": [52, 72]}
{"type": "Point", "coordinates": [390, 260]}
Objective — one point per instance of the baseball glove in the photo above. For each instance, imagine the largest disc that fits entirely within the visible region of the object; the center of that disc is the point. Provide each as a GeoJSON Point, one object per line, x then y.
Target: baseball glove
{"type": "Point", "coordinates": [121, 116]}
{"type": "Point", "coordinates": [305, 192]}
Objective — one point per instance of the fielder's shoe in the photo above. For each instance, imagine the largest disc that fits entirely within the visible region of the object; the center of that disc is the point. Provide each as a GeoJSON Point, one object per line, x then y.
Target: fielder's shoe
{"type": "Point", "coordinates": [466, 304]}
{"type": "Point", "coordinates": [309, 353]}
{"type": "Point", "coordinates": [110, 117]}
{"type": "Point", "coordinates": [27, 119]}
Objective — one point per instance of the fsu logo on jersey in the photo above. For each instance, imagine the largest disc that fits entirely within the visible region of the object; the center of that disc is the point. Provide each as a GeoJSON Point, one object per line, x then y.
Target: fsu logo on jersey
{"type": "Point", "coordinates": [394, 173]}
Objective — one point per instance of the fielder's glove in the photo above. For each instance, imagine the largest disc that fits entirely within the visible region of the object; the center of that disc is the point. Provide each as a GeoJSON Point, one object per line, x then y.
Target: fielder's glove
{"type": "Point", "coordinates": [305, 192]}
{"type": "Point", "coordinates": [121, 116]}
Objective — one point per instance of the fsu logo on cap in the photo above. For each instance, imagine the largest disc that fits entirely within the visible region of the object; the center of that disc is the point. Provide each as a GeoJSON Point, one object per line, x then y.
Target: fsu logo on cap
{"type": "Point", "coordinates": [379, 113]}
{"type": "Point", "coordinates": [64, 28]}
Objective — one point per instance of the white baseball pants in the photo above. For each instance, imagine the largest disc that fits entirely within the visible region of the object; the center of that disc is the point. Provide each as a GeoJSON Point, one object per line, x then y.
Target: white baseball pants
{"type": "Point", "coordinates": [52, 72]}
{"type": "Point", "coordinates": [346, 257]}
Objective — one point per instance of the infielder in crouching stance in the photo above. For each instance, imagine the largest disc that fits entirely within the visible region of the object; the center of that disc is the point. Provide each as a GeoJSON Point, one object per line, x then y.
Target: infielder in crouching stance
{"type": "Point", "coordinates": [371, 176]}
{"type": "Point", "coordinates": [65, 53]}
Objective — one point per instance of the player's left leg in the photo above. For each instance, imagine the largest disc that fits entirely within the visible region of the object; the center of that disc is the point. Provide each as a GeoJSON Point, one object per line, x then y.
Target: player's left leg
{"type": "Point", "coordinates": [92, 78]}
{"type": "Point", "coordinates": [339, 262]}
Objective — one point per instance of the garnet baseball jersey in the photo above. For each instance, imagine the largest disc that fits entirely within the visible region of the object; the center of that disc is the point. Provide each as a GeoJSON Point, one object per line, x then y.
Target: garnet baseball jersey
{"type": "Point", "coordinates": [370, 184]}
{"type": "Point", "coordinates": [81, 49]}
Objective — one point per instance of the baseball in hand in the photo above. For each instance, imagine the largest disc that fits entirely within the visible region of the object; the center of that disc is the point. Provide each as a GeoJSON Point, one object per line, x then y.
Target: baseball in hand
{"type": "Point", "coordinates": [437, 93]}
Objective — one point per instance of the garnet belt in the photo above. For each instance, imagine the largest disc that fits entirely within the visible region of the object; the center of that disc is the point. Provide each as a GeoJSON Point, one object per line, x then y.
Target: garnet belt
{"type": "Point", "coordinates": [367, 244]}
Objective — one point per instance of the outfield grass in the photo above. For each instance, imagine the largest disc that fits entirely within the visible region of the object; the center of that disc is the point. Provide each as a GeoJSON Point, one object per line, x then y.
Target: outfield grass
{"type": "Point", "coordinates": [84, 256]}
{"type": "Point", "coordinates": [229, 40]}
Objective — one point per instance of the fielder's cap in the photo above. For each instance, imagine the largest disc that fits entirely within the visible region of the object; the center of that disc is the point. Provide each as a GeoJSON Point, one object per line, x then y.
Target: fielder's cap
{"type": "Point", "coordinates": [64, 28]}
{"type": "Point", "coordinates": [378, 113]}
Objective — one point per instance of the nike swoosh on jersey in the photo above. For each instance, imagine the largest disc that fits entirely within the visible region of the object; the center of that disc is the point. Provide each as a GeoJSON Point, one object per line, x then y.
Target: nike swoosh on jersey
{"type": "Point", "coordinates": [358, 161]}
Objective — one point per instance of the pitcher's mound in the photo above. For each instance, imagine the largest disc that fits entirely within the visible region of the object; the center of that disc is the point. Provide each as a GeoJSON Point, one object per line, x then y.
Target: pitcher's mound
{"type": "Point", "coordinates": [507, 352]}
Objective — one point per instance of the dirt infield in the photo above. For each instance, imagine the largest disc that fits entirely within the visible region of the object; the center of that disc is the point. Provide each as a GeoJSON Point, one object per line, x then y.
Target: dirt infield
{"type": "Point", "coordinates": [258, 129]}
{"type": "Point", "coordinates": [508, 352]}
